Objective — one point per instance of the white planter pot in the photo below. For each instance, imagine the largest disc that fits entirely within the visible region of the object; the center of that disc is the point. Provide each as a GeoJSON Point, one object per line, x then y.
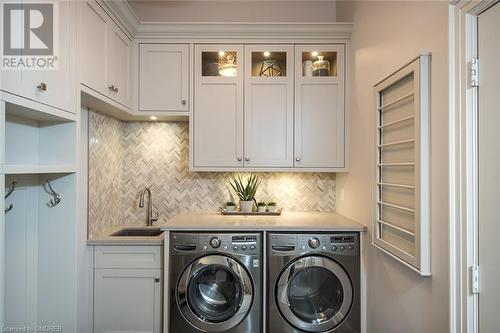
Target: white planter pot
{"type": "Point", "coordinates": [230, 208]}
{"type": "Point", "coordinates": [272, 209]}
{"type": "Point", "coordinates": [261, 209]}
{"type": "Point", "coordinates": [246, 206]}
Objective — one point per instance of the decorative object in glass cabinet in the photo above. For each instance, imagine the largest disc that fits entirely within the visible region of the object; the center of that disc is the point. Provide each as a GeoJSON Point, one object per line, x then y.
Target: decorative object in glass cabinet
{"type": "Point", "coordinates": [316, 63]}
{"type": "Point", "coordinates": [222, 63]}
{"type": "Point", "coordinates": [267, 64]}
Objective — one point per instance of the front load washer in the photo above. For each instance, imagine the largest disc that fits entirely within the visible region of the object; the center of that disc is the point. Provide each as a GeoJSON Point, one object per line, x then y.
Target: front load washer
{"type": "Point", "coordinates": [313, 283]}
{"type": "Point", "coordinates": [215, 282]}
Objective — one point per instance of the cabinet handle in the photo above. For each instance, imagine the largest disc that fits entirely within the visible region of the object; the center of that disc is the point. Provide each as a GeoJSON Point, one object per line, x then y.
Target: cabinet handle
{"type": "Point", "coordinates": [297, 159]}
{"type": "Point", "coordinates": [239, 159]}
{"type": "Point", "coordinates": [157, 280]}
{"type": "Point", "coordinates": [184, 102]}
{"type": "Point", "coordinates": [111, 87]}
{"type": "Point", "coordinates": [42, 87]}
{"type": "Point", "coordinates": [247, 159]}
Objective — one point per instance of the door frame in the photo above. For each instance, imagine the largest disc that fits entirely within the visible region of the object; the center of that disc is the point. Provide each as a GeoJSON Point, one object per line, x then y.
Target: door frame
{"type": "Point", "coordinates": [463, 154]}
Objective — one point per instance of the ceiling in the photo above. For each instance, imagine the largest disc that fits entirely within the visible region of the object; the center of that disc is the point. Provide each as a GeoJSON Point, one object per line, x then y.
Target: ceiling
{"type": "Point", "coordinates": [234, 10]}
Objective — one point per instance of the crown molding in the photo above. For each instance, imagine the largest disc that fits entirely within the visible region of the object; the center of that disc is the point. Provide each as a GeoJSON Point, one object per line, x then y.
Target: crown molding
{"type": "Point", "coordinates": [226, 30]}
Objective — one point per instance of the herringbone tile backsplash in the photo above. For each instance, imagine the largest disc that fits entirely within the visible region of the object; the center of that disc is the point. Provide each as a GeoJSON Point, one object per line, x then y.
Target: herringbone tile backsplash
{"type": "Point", "coordinates": [125, 157]}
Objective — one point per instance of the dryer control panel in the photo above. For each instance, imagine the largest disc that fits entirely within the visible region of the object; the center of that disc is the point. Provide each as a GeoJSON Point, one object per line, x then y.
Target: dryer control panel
{"type": "Point", "coordinates": [241, 244]}
{"type": "Point", "coordinates": [345, 244]}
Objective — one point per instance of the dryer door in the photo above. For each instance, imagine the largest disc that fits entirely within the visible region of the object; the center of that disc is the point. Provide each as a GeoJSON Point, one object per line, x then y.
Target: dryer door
{"type": "Point", "coordinates": [314, 293]}
{"type": "Point", "coordinates": [215, 293]}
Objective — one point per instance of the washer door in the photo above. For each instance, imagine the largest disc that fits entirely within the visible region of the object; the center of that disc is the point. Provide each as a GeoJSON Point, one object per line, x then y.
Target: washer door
{"type": "Point", "coordinates": [215, 293]}
{"type": "Point", "coordinates": [314, 293]}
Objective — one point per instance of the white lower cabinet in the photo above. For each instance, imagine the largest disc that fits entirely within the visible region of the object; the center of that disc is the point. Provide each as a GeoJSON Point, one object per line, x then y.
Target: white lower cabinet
{"type": "Point", "coordinates": [127, 299]}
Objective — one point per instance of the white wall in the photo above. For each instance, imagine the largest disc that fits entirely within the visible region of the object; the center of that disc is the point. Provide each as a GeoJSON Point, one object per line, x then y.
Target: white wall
{"type": "Point", "coordinates": [387, 35]}
{"type": "Point", "coordinates": [235, 11]}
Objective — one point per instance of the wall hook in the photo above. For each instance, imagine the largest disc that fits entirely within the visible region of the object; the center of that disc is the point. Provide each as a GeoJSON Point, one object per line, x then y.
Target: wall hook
{"type": "Point", "coordinates": [57, 198]}
{"type": "Point", "coordinates": [9, 192]}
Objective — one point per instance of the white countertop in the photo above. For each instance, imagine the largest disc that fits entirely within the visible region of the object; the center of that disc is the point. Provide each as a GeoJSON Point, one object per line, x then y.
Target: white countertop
{"type": "Point", "coordinates": [127, 240]}
{"type": "Point", "coordinates": [287, 221]}
{"type": "Point", "coordinates": [214, 221]}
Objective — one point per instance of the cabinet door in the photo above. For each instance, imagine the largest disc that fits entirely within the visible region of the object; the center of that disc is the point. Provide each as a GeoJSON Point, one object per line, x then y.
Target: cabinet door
{"type": "Point", "coordinates": [11, 79]}
{"type": "Point", "coordinates": [93, 46]}
{"type": "Point", "coordinates": [127, 300]}
{"type": "Point", "coordinates": [59, 84]}
{"type": "Point", "coordinates": [319, 106]}
{"type": "Point", "coordinates": [268, 106]}
{"type": "Point", "coordinates": [163, 77]}
{"type": "Point", "coordinates": [218, 109]}
{"type": "Point", "coordinates": [118, 65]}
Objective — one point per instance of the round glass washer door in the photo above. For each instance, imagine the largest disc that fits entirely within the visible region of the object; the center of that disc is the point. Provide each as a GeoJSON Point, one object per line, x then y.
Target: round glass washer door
{"type": "Point", "coordinates": [214, 293]}
{"type": "Point", "coordinates": [314, 293]}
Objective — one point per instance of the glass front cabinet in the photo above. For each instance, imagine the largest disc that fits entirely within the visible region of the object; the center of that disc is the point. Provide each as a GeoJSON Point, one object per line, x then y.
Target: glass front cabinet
{"type": "Point", "coordinates": [276, 107]}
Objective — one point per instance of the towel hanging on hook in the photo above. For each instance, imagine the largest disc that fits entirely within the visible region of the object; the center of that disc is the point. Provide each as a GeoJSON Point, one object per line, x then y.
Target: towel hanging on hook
{"type": "Point", "coordinates": [9, 192]}
{"type": "Point", "coordinates": [57, 198]}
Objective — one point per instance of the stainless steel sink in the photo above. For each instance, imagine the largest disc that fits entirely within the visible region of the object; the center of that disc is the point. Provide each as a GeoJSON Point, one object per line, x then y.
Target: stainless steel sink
{"type": "Point", "coordinates": [138, 232]}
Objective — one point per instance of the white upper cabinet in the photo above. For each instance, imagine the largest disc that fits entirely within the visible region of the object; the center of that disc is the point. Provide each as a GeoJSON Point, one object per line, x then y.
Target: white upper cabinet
{"type": "Point", "coordinates": [105, 53]}
{"type": "Point", "coordinates": [319, 107]}
{"type": "Point", "coordinates": [292, 116]}
{"type": "Point", "coordinates": [217, 122]}
{"type": "Point", "coordinates": [118, 65]}
{"type": "Point", "coordinates": [52, 87]}
{"type": "Point", "coordinates": [93, 40]}
{"type": "Point", "coordinates": [268, 106]}
{"type": "Point", "coordinates": [163, 77]}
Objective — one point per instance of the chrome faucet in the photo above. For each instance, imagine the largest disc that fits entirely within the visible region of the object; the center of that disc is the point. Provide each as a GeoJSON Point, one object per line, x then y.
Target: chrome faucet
{"type": "Point", "coordinates": [150, 219]}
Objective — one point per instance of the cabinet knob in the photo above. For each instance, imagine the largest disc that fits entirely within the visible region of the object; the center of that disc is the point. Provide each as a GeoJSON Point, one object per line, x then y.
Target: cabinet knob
{"type": "Point", "coordinates": [116, 89]}
{"type": "Point", "coordinates": [184, 102]}
{"type": "Point", "coordinates": [247, 159]}
{"type": "Point", "coordinates": [297, 159]}
{"type": "Point", "coordinates": [111, 87]}
{"type": "Point", "coordinates": [239, 159]}
{"type": "Point", "coordinates": [42, 87]}
{"type": "Point", "coordinates": [157, 280]}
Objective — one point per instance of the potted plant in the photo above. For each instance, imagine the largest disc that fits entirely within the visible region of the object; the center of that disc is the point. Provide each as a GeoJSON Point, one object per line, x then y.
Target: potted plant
{"type": "Point", "coordinates": [245, 191]}
{"type": "Point", "coordinates": [230, 206]}
{"type": "Point", "coordinates": [271, 206]}
{"type": "Point", "coordinates": [261, 206]}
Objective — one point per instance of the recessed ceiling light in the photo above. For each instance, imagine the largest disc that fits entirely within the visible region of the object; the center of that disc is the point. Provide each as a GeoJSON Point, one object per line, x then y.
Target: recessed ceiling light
{"type": "Point", "coordinates": [153, 118]}
{"type": "Point", "coordinates": [221, 53]}
{"type": "Point", "coordinates": [314, 53]}
{"type": "Point", "coordinates": [267, 54]}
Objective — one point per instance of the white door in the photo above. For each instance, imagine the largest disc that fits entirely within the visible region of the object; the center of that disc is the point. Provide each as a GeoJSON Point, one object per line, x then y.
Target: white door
{"type": "Point", "coordinates": [118, 65]}
{"type": "Point", "coordinates": [489, 169]}
{"type": "Point", "coordinates": [268, 106]}
{"type": "Point", "coordinates": [218, 109]}
{"type": "Point", "coordinates": [319, 106]}
{"type": "Point", "coordinates": [127, 300]}
{"type": "Point", "coordinates": [93, 46]}
{"type": "Point", "coordinates": [59, 90]}
{"type": "Point", "coordinates": [163, 77]}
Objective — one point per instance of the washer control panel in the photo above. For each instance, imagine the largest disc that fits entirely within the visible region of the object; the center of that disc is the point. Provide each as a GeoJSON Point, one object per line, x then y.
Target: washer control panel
{"type": "Point", "coordinates": [346, 244]}
{"type": "Point", "coordinates": [243, 244]}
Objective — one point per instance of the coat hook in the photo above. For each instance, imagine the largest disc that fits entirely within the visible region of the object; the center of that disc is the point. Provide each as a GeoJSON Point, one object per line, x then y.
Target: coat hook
{"type": "Point", "coordinates": [57, 198]}
{"type": "Point", "coordinates": [9, 192]}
